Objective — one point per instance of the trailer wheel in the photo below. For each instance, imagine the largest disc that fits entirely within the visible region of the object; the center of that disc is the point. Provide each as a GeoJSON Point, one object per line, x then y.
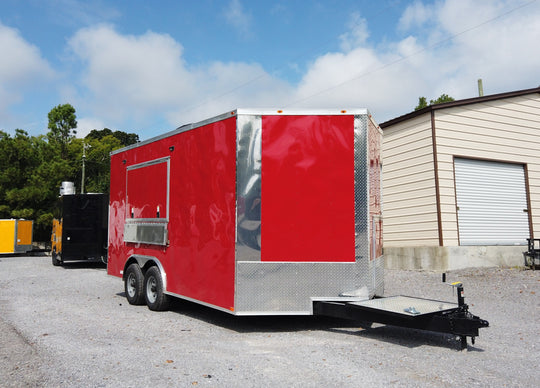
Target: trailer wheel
{"type": "Point", "coordinates": [156, 299]}
{"type": "Point", "coordinates": [134, 284]}
{"type": "Point", "coordinates": [55, 259]}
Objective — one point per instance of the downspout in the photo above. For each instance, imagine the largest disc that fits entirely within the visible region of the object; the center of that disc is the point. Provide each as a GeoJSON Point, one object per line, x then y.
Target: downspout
{"type": "Point", "coordinates": [436, 173]}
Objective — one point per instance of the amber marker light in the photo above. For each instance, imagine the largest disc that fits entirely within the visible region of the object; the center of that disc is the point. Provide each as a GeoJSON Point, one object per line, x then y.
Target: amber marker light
{"type": "Point", "coordinates": [280, 111]}
{"type": "Point", "coordinates": [343, 111]}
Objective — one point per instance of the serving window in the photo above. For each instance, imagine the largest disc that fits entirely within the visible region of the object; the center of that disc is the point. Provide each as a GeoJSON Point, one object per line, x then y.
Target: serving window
{"type": "Point", "coordinates": [147, 200]}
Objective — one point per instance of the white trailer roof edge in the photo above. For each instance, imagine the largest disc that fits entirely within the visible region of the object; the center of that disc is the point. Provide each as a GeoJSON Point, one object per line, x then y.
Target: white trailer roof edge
{"type": "Point", "coordinates": [232, 113]}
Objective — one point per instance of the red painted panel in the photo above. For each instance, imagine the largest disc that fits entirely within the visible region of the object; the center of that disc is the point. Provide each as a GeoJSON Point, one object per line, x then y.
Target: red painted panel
{"type": "Point", "coordinates": [200, 259]}
{"type": "Point", "coordinates": [147, 191]}
{"type": "Point", "coordinates": [307, 190]}
{"type": "Point", "coordinates": [117, 215]}
{"type": "Point", "coordinates": [203, 188]}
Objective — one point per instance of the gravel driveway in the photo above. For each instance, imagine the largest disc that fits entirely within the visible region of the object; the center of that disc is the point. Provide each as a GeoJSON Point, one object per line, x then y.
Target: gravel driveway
{"type": "Point", "coordinates": [71, 326]}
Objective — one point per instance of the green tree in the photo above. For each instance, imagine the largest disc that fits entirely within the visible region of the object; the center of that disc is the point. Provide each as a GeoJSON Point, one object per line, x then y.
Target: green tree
{"type": "Point", "coordinates": [97, 163]}
{"type": "Point", "coordinates": [100, 143]}
{"type": "Point", "coordinates": [33, 167]}
{"type": "Point", "coordinates": [125, 138]}
{"type": "Point", "coordinates": [442, 98]}
{"type": "Point", "coordinates": [98, 135]}
{"type": "Point", "coordinates": [21, 194]}
{"type": "Point", "coordinates": [18, 161]}
{"type": "Point", "coordinates": [62, 124]}
{"type": "Point", "coordinates": [422, 102]}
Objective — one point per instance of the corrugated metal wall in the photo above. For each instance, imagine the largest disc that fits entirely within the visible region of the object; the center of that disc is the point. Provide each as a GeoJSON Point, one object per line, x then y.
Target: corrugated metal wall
{"type": "Point", "coordinates": [409, 195]}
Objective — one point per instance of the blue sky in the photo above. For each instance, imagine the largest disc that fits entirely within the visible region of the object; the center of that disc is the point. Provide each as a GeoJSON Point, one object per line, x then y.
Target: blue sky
{"type": "Point", "coordinates": [149, 67]}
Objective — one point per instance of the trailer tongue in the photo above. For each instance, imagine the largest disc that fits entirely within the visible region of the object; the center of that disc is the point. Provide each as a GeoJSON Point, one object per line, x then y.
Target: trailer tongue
{"type": "Point", "coordinates": [414, 313]}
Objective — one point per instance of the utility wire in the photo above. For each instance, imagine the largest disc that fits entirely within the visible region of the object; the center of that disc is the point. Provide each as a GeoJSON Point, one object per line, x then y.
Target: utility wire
{"type": "Point", "coordinates": [358, 76]}
{"type": "Point", "coordinates": [386, 65]}
{"type": "Point", "coordinates": [278, 68]}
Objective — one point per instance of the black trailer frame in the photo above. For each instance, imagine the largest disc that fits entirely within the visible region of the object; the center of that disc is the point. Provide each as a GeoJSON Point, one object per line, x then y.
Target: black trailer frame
{"type": "Point", "coordinates": [433, 315]}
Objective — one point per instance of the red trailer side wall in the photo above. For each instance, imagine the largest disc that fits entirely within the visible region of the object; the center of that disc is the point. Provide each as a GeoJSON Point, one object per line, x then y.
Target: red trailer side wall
{"type": "Point", "coordinates": [307, 191]}
{"type": "Point", "coordinates": [199, 261]}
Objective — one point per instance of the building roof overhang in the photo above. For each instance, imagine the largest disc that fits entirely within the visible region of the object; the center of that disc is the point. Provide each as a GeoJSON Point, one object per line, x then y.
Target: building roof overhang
{"type": "Point", "coordinates": [463, 102]}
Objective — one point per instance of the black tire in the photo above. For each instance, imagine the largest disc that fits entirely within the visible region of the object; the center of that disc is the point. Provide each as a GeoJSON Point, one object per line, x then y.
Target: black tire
{"type": "Point", "coordinates": [56, 261]}
{"type": "Point", "coordinates": [156, 299]}
{"type": "Point", "coordinates": [134, 285]}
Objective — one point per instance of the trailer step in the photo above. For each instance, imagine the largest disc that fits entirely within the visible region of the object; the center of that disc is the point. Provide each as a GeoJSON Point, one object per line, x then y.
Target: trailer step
{"type": "Point", "coordinates": [406, 305]}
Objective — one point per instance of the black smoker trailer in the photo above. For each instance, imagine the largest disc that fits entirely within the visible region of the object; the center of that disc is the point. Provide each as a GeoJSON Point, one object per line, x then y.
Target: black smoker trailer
{"type": "Point", "coordinates": [80, 229]}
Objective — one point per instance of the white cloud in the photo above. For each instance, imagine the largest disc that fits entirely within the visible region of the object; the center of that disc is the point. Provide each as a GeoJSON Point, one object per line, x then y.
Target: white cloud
{"type": "Point", "coordinates": [129, 81]}
{"type": "Point", "coordinates": [416, 15]}
{"type": "Point", "coordinates": [237, 17]}
{"type": "Point", "coordinates": [226, 86]}
{"type": "Point", "coordinates": [357, 34]}
{"type": "Point", "coordinates": [86, 124]}
{"type": "Point", "coordinates": [21, 68]}
{"type": "Point", "coordinates": [460, 46]}
{"type": "Point", "coordinates": [132, 76]}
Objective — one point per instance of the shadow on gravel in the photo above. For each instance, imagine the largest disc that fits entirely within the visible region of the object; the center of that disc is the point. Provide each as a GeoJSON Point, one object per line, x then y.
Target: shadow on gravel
{"type": "Point", "coordinates": [83, 264]}
{"type": "Point", "coordinates": [410, 338]}
{"type": "Point", "coordinates": [263, 324]}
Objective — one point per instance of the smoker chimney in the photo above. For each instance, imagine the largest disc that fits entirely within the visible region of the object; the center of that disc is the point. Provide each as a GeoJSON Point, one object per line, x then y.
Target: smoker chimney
{"type": "Point", "coordinates": [67, 188]}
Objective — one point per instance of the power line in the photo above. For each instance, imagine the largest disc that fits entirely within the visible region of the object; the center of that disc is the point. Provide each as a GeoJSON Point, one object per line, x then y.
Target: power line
{"type": "Point", "coordinates": [278, 68]}
{"type": "Point", "coordinates": [386, 65]}
{"type": "Point", "coordinates": [361, 75]}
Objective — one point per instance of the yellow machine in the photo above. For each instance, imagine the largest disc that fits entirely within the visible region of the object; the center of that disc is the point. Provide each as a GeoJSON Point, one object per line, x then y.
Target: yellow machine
{"type": "Point", "coordinates": [16, 236]}
{"type": "Point", "coordinates": [56, 239]}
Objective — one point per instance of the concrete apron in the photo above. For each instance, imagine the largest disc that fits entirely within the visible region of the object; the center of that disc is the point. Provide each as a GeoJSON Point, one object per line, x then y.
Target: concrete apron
{"type": "Point", "coordinates": [452, 258]}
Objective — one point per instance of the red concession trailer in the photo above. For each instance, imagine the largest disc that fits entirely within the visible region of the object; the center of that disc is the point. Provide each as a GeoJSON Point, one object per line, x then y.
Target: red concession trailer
{"type": "Point", "coordinates": [250, 212]}
{"type": "Point", "coordinates": [258, 212]}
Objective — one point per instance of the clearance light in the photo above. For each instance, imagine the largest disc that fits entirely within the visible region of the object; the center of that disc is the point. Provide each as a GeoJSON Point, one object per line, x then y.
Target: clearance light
{"type": "Point", "coordinates": [280, 111]}
{"type": "Point", "coordinates": [343, 111]}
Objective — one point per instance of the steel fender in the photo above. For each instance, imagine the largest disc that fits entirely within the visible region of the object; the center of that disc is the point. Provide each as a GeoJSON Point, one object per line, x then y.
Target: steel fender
{"type": "Point", "coordinates": [143, 260]}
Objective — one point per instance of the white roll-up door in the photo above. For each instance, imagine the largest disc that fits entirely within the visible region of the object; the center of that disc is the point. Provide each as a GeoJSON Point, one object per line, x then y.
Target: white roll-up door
{"type": "Point", "coordinates": [491, 202]}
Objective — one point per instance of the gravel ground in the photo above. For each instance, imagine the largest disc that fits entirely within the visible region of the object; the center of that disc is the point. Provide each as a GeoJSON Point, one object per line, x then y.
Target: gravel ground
{"type": "Point", "coordinates": [71, 326]}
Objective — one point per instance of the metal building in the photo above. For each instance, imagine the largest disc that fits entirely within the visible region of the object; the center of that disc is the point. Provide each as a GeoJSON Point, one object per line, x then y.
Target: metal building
{"type": "Point", "coordinates": [461, 182]}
